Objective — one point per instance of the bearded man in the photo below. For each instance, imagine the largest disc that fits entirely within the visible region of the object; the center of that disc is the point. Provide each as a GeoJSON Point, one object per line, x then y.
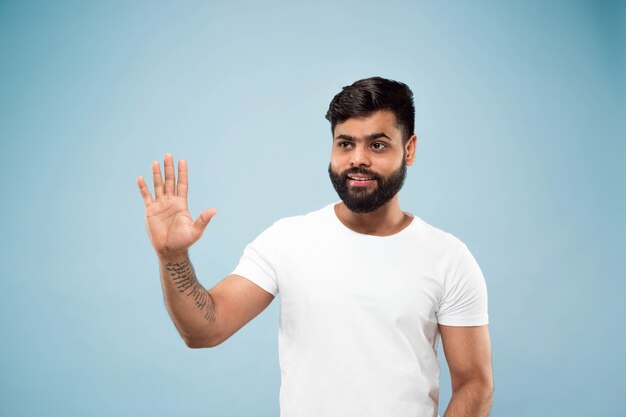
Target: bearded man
{"type": "Point", "coordinates": [366, 289]}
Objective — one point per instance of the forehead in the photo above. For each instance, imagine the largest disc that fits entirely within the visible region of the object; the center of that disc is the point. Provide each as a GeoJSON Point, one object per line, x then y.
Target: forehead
{"type": "Point", "coordinates": [359, 127]}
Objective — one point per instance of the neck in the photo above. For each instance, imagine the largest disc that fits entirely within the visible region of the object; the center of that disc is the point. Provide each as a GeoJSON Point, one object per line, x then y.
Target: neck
{"type": "Point", "coordinates": [384, 221]}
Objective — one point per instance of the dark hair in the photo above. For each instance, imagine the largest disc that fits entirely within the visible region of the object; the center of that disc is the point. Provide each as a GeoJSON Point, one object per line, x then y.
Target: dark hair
{"type": "Point", "coordinates": [366, 96]}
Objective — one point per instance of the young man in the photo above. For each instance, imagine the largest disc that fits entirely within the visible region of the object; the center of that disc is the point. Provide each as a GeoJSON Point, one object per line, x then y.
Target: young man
{"type": "Point", "coordinates": [366, 289]}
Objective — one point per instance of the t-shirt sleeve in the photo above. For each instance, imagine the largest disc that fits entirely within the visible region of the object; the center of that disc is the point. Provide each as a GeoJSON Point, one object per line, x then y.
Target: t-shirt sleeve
{"type": "Point", "coordinates": [464, 301]}
{"type": "Point", "coordinates": [259, 260]}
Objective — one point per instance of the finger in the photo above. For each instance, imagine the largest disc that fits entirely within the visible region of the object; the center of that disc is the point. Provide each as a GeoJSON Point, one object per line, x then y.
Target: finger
{"type": "Point", "coordinates": [145, 192]}
{"type": "Point", "coordinates": [183, 185]}
{"type": "Point", "coordinates": [169, 174]}
{"type": "Point", "coordinates": [203, 219]}
{"type": "Point", "coordinates": [157, 179]}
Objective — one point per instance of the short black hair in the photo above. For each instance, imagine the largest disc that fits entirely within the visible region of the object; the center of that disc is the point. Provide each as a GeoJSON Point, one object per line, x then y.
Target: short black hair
{"type": "Point", "coordinates": [369, 95]}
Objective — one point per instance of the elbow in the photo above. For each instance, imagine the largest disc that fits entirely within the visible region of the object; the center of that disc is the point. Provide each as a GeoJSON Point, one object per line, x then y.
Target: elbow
{"type": "Point", "coordinates": [489, 393]}
{"type": "Point", "coordinates": [192, 344]}
{"type": "Point", "coordinates": [201, 343]}
{"type": "Point", "coordinates": [479, 388]}
{"type": "Point", "coordinates": [485, 393]}
{"type": "Point", "coordinates": [489, 387]}
{"type": "Point", "coordinates": [201, 339]}
{"type": "Point", "coordinates": [485, 389]}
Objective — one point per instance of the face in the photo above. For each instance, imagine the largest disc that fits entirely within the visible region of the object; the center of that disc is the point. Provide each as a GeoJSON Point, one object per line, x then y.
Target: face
{"type": "Point", "coordinates": [368, 163]}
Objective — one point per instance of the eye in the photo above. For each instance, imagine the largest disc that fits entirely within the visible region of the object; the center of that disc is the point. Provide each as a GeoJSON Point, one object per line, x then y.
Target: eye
{"type": "Point", "coordinates": [379, 146]}
{"type": "Point", "coordinates": [344, 144]}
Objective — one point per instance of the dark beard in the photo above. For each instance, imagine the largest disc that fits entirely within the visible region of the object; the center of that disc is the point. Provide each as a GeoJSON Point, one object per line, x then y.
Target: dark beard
{"type": "Point", "coordinates": [362, 200]}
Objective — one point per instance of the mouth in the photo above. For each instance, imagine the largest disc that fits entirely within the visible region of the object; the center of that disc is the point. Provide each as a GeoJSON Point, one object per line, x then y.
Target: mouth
{"type": "Point", "coordinates": [358, 181]}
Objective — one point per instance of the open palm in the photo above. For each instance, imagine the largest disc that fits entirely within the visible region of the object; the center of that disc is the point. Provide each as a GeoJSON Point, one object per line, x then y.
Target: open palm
{"type": "Point", "coordinates": [170, 226]}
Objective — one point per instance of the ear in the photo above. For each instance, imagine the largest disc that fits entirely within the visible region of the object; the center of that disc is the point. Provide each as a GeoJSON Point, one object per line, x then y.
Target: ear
{"type": "Point", "coordinates": [409, 149]}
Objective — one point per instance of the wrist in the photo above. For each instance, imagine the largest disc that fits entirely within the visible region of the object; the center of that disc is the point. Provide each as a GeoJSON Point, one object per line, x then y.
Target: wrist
{"type": "Point", "coordinates": [173, 257]}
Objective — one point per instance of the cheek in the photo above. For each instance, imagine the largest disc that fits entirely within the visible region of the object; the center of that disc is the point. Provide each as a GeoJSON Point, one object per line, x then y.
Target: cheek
{"type": "Point", "coordinates": [337, 161]}
{"type": "Point", "coordinates": [387, 165]}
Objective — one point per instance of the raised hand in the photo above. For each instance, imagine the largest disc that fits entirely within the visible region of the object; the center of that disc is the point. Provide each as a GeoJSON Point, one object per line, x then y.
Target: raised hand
{"type": "Point", "coordinates": [170, 225]}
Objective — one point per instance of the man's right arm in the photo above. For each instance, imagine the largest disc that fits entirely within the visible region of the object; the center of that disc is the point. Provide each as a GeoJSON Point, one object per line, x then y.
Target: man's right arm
{"type": "Point", "coordinates": [203, 318]}
{"type": "Point", "coordinates": [207, 318]}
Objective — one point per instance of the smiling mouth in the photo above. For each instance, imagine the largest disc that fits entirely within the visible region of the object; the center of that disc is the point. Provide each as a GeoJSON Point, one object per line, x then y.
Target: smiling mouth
{"type": "Point", "coordinates": [360, 178]}
{"type": "Point", "coordinates": [360, 182]}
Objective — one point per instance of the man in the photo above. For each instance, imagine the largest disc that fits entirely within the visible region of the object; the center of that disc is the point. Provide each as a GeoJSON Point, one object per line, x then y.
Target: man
{"type": "Point", "coordinates": [366, 289]}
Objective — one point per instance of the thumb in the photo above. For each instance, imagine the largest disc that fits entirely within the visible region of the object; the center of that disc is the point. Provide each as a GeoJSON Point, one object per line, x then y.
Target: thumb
{"type": "Point", "coordinates": [203, 219]}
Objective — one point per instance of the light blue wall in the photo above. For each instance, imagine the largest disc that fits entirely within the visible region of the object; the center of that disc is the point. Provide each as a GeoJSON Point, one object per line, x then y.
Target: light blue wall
{"type": "Point", "coordinates": [521, 155]}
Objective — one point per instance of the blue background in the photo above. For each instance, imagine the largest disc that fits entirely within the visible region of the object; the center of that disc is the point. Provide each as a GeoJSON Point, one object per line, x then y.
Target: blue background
{"type": "Point", "coordinates": [521, 155]}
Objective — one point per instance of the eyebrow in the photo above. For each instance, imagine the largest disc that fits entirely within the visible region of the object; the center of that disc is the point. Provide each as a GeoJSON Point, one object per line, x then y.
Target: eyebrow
{"type": "Point", "coordinates": [373, 136]}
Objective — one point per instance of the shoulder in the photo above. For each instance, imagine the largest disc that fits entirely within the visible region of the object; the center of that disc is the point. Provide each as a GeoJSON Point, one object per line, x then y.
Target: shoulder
{"type": "Point", "coordinates": [311, 218]}
{"type": "Point", "coordinates": [458, 261]}
{"type": "Point", "coordinates": [297, 224]}
{"type": "Point", "coordinates": [437, 237]}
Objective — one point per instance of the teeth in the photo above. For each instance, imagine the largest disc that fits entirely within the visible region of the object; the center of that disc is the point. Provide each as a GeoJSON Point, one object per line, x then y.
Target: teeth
{"type": "Point", "coordinates": [360, 179]}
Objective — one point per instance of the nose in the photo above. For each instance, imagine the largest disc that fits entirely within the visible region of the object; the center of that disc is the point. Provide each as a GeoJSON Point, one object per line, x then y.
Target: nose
{"type": "Point", "coordinates": [359, 156]}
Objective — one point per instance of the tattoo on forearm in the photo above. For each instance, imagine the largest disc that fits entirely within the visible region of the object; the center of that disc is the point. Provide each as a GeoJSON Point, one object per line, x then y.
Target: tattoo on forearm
{"type": "Point", "coordinates": [184, 278]}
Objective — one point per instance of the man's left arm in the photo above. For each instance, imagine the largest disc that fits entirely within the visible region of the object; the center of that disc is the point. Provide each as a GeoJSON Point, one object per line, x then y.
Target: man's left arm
{"type": "Point", "coordinates": [468, 353]}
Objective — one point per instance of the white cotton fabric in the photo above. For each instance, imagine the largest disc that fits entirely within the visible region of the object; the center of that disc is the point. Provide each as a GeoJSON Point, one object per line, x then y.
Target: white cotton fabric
{"type": "Point", "coordinates": [359, 314]}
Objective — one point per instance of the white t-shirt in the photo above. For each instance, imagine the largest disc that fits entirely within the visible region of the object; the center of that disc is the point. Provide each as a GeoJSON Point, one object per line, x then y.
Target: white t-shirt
{"type": "Point", "coordinates": [359, 314]}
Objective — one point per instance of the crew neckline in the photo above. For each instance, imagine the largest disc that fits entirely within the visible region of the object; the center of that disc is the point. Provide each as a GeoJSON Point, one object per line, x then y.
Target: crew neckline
{"type": "Point", "coordinates": [333, 214]}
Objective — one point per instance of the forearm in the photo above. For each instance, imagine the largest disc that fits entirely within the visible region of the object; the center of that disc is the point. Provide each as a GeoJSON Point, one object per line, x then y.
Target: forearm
{"type": "Point", "coordinates": [189, 304]}
{"type": "Point", "coordinates": [472, 399]}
